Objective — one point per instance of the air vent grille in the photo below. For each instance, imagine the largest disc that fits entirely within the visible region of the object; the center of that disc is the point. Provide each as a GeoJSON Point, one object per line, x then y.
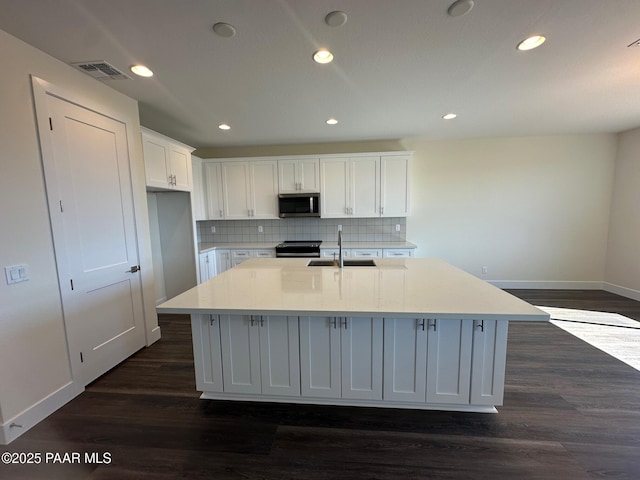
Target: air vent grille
{"type": "Point", "coordinates": [101, 70]}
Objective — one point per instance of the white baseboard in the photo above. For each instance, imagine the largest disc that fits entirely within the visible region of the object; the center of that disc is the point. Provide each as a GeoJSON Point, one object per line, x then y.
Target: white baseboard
{"type": "Point", "coordinates": [546, 284]}
{"type": "Point", "coordinates": [16, 426]}
{"type": "Point", "coordinates": [623, 291]}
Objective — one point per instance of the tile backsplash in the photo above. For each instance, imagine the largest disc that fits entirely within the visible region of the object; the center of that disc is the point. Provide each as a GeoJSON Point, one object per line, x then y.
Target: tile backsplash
{"type": "Point", "coordinates": [326, 229]}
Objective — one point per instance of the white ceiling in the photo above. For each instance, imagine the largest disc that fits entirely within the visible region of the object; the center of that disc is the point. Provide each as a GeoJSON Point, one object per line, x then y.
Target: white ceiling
{"type": "Point", "coordinates": [399, 65]}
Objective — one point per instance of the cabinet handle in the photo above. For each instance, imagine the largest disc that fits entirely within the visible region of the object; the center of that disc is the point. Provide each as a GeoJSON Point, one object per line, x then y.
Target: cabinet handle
{"type": "Point", "coordinates": [334, 322]}
{"type": "Point", "coordinates": [220, 213]}
{"type": "Point", "coordinates": [434, 325]}
{"type": "Point", "coordinates": [212, 319]}
{"type": "Point", "coordinates": [381, 210]}
{"type": "Point", "coordinates": [261, 321]}
{"type": "Point", "coordinates": [481, 325]}
{"type": "Point", "coordinates": [346, 323]}
{"type": "Point", "coordinates": [420, 323]}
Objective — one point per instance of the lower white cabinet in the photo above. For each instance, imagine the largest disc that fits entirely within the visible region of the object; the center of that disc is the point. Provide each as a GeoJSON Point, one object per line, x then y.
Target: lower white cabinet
{"type": "Point", "coordinates": [208, 265]}
{"type": "Point", "coordinates": [352, 360]}
{"type": "Point", "coordinates": [260, 354]}
{"type": "Point", "coordinates": [341, 357]}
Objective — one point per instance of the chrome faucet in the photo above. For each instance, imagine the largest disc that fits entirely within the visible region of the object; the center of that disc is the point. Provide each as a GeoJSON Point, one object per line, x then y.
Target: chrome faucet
{"type": "Point", "coordinates": [340, 257]}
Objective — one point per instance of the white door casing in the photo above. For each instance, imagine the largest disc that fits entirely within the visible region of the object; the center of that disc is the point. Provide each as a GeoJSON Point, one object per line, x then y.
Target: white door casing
{"type": "Point", "coordinates": [90, 195]}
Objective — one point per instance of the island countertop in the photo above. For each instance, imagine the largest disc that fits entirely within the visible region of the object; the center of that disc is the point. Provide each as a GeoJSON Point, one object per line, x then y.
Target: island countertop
{"type": "Point", "coordinates": [402, 288]}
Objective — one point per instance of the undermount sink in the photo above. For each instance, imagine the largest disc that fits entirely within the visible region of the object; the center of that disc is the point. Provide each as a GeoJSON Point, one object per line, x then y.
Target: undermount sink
{"type": "Point", "coordinates": [347, 263]}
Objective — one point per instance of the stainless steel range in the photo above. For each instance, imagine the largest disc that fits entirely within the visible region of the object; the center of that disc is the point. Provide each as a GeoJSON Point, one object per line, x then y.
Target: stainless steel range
{"type": "Point", "coordinates": [299, 248]}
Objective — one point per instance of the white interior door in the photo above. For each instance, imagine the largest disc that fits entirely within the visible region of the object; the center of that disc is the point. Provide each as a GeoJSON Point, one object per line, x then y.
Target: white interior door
{"type": "Point", "coordinates": [88, 177]}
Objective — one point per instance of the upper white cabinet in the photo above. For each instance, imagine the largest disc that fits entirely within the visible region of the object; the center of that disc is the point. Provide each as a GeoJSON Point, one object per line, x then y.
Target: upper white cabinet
{"type": "Point", "coordinates": [167, 162]}
{"type": "Point", "coordinates": [198, 193]}
{"type": "Point", "coordinates": [394, 185]}
{"type": "Point", "coordinates": [250, 189]}
{"type": "Point", "coordinates": [212, 173]}
{"type": "Point", "coordinates": [299, 175]}
{"type": "Point", "coordinates": [365, 186]}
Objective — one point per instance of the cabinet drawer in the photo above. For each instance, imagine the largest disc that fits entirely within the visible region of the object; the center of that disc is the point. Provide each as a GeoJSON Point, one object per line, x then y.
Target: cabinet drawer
{"type": "Point", "coordinates": [334, 253]}
{"type": "Point", "coordinates": [264, 253]}
{"type": "Point", "coordinates": [244, 254]}
{"type": "Point", "coordinates": [398, 252]}
{"type": "Point", "coordinates": [366, 252]}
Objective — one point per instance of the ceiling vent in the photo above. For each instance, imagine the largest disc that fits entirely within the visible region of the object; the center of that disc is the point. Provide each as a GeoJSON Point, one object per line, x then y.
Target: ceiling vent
{"type": "Point", "coordinates": [101, 70]}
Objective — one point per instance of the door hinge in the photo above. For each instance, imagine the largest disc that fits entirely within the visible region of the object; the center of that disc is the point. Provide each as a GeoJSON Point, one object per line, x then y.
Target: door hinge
{"type": "Point", "coordinates": [50, 124]}
{"type": "Point", "coordinates": [81, 358]}
{"type": "Point", "coordinates": [71, 280]}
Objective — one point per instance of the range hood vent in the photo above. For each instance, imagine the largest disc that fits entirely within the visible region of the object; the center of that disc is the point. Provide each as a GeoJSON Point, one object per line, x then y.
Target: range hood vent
{"type": "Point", "coordinates": [101, 70]}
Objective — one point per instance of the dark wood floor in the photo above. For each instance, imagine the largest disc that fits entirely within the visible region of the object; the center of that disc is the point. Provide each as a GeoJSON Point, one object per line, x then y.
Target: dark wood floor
{"type": "Point", "coordinates": [570, 412]}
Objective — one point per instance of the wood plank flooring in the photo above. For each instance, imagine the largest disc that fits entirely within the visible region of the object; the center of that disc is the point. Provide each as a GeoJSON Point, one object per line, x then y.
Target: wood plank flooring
{"type": "Point", "coordinates": [570, 411]}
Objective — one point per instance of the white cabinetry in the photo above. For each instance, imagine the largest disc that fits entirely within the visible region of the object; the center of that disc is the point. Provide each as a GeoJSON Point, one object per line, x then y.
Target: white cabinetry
{"type": "Point", "coordinates": [405, 360]}
{"type": "Point", "coordinates": [365, 186]}
{"type": "Point", "coordinates": [167, 162]}
{"type": "Point", "coordinates": [208, 265]}
{"type": "Point", "coordinates": [223, 260]}
{"type": "Point", "coordinates": [207, 352]}
{"type": "Point", "coordinates": [260, 354]}
{"type": "Point", "coordinates": [397, 252]}
{"type": "Point", "coordinates": [394, 185]}
{"type": "Point", "coordinates": [489, 357]}
{"type": "Point", "coordinates": [250, 189]}
{"type": "Point", "coordinates": [212, 173]}
{"type": "Point", "coordinates": [239, 256]}
{"type": "Point", "coordinates": [365, 253]}
{"type": "Point", "coordinates": [350, 187]}
{"type": "Point", "coordinates": [299, 175]}
{"type": "Point", "coordinates": [198, 193]}
{"type": "Point", "coordinates": [341, 357]}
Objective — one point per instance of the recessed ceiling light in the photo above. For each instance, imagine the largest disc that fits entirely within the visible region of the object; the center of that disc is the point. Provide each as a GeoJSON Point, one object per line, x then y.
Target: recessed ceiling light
{"type": "Point", "coordinates": [224, 29]}
{"type": "Point", "coordinates": [336, 19]}
{"type": "Point", "coordinates": [449, 116]}
{"type": "Point", "coordinates": [532, 42]}
{"type": "Point", "coordinates": [323, 56]}
{"type": "Point", "coordinates": [224, 126]}
{"type": "Point", "coordinates": [331, 121]}
{"type": "Point", "coordinates": [460, 7]}
{"type": "Point", "coordinates": [142, 71]}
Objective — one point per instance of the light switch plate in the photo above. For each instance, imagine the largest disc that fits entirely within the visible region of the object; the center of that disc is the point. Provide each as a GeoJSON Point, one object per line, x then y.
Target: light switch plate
{"type": "Point", "coordinates": [16, 274]}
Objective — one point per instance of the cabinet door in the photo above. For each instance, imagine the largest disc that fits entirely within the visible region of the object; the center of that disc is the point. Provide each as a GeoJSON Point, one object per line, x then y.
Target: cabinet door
{"type": "Point", "coordinates": [240, 340]}
{"type": "Point", "coordinates": [198, 193]}
{"type": "Point", "coordinates": [334, 191]}
{"type": "Point", "coordinates": [203, 266]}
{"type": "Point", "coordinates": [309, 175]}
{"type": "Point", "coordinates": [207, 353]}
{"type": "Point", "coordinates": [264, 189]}
{"type": "Point", "coordinates": [223, 260]}
{"type": "Point", "coordinates": [405, 359]}
{"type": "Point", "coordinates": [361, 345]}
{"type": "Point", "coordinates": [213, 182]}
{"type": "Point", "coordinates": [287, 176]}
{"type": "Point", "coordinates": [365, 186]}
{"type": "Point", "coordinates": [394, 186]}
{"type": "Point", "coordinates": [449, 345]}
{"type": "Point", "coordinates": [235, 187]}
{"type": "Point", "coordinates": [489, 356]}
{"type": "Point", "coordinates": [180, 168]}
{"type": "Point", "coordinates": [280, 355]}
{"type": "Point", "coordinates": [320, 357]}
{"type": "Point", "coordinates": [156, 154]}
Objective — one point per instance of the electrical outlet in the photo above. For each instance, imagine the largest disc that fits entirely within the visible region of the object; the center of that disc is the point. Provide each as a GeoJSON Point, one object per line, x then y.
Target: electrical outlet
{"type": "Point", "coordinates": [213, 229]}
{"type": "Point", "coordinates": [339, 228]}
{"type": "Point", "coordinates": [260, 229]}
{"type": "Point", "coordinates": [397, 227]}
{"type": "Point", "coordinates": [485, 269]}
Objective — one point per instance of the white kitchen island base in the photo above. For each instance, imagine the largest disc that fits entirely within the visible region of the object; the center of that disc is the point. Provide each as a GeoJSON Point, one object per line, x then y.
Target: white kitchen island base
{"type": "Point", "coordinates": [411, 333]}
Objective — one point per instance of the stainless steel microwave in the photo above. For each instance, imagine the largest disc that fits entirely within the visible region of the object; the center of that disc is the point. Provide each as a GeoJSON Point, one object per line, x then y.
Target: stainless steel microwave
{"type": "Point", "coordinates": [299, 205]}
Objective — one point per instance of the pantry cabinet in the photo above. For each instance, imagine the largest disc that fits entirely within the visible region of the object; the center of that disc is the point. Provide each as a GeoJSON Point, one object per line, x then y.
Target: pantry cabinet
{"type": "Point", "coordinates": [167, 162]}
{"type": "Point", "coordinates": [212, 173]}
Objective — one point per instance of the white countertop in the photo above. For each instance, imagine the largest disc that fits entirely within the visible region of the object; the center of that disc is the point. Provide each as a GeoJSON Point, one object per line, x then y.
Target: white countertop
{"type": "Point", "coordinates": [404, 288]}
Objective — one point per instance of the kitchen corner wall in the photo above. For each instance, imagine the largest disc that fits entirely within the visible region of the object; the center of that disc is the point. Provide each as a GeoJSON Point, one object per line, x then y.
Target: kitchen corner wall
{"type": "Point", "coordinates": [274, 231]}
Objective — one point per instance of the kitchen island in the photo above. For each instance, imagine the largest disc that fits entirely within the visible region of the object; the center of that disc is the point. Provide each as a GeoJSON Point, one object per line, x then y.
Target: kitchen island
{"type": "Point", "coordinates": [405, 333]}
